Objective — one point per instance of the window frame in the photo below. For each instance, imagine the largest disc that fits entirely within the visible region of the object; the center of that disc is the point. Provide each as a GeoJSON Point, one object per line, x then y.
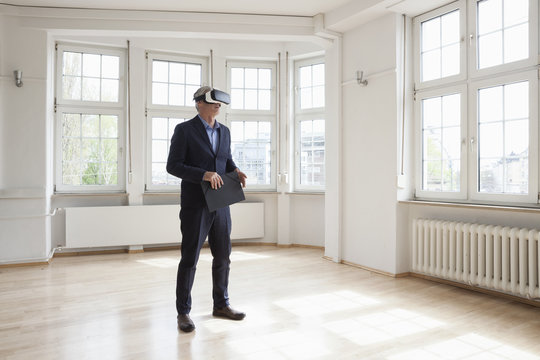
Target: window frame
{"type": "Point", "coordinates": [532, 197]}
{"type": "Point", "coordinates": [417, 22]}
{"type": "Point", "coordinates": [504, 74]}
{"type": "Point", "coordinates": [257, 116]}
{"type": "Point", "coordinates": [532, 60]}
{"type": "Point", "coordinates": [168, 111]}
{"type": "Point", "coordinates": [318, 113]}
{"type": "Point", "coordinates": [63, 106]}
{"type": "Point", "coordinates": [420, 192]}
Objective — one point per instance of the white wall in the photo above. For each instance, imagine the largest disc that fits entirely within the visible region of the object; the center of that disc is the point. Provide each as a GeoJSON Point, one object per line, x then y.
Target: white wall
{"type": "Point", "coordinates": [369, 146]}
{"type": "Point", "coordinates": [24, 228]}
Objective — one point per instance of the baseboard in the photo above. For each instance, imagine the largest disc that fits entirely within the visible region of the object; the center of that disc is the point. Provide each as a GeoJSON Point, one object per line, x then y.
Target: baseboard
{"type": "Point", "coordinates": [375, 271]}
{"type": "Point", "coordinates": [22, 264]}
{"type": "Point", "coordinates": [478, 289]}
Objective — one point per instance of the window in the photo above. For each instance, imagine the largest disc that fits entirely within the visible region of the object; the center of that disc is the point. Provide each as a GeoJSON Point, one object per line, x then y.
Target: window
{"type": "Point", "coordinates": [252, 119]}
{"type": "Point", "coordinates": [89, 119]}
{"type": "Point", "coordinates": [477, 135]}
{"type": "Point", "coordinates": [172, 82]}
{"type": "Point", "coordinates": [440, 49]}
{"type": "Point", "coordinates": [310, 125]}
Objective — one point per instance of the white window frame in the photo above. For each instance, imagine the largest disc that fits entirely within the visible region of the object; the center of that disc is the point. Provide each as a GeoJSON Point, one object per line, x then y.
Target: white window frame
{"type": "Point", "coordinates": [169, 111]}
{"type": "Point", "coordinates": [318, 113]}
{"type": "Point", "coordinates": [462, 91]}
{"type": "Point", "coordinates": [477, 79]}
{"type": "Point", "coordinates": [532, 196]}
{"type": "Point", "coordinates": [257, 116]}
{"type": "Point", "coordinates": [94, 108]}
{"type": "Point", "coordinates": [458, 5]}
{"type": "Point", "coordinates": [516, 65]}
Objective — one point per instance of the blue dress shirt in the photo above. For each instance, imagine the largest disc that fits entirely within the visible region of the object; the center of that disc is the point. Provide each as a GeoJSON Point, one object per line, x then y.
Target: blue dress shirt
{"type": "Point", "coordinates": [213, 134]}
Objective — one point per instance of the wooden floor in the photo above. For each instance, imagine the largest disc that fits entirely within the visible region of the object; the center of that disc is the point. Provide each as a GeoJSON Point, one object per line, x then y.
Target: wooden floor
{"type": "Point", "coordinates": [298, 305]}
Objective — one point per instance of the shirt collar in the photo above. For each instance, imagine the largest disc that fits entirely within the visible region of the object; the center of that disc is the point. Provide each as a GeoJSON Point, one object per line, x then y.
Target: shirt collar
{"type": "Point", "coordinates": [208, 127]}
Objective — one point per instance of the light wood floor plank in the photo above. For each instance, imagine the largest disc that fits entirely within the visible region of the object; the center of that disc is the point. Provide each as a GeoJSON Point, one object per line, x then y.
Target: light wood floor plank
{"type": "Point", "coordinates": [298, 305]}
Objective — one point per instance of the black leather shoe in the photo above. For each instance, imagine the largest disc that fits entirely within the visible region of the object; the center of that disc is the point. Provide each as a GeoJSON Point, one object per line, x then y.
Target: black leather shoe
{"type": "Point", "coordinates": [229, 313]}
{"type": "Point", "coordinates": [185, 324]}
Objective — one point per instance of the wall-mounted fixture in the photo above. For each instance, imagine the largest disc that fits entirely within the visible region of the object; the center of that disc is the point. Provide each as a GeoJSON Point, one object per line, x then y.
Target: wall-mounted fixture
{"type": "Point", "coordinates": [18, 78]}
{"type": "Point", "coordinates": [360, 78]}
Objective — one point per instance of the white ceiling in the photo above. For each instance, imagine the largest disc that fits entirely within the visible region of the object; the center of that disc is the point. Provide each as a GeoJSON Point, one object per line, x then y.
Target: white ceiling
{"type": "Point", "coordinates": [270, 7]}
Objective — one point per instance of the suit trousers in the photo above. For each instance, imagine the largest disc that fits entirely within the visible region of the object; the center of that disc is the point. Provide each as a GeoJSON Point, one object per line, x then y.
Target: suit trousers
{"type": "Point", "coordinates": [196, 223]}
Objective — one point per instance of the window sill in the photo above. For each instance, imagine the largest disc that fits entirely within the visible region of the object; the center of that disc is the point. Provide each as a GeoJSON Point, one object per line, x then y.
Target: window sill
{"type": "Point", "coordinates": [529, 208]}
{"type": "Point", "coordinates": [306, 193]}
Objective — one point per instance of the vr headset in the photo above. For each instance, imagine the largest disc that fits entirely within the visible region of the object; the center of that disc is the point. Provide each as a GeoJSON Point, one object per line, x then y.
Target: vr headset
{"type": "Point", "coordinates": [214, 97]}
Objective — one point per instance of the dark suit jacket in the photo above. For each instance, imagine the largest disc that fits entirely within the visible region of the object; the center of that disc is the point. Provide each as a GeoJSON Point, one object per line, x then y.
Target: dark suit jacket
{"type": "Point", "coordinates": [191, 155]}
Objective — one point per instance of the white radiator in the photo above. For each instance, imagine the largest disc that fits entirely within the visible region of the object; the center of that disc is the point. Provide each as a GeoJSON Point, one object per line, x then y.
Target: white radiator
{"type": "Point", "coordinates": [494, 257]}
{"type": "Point", "coordinates": [150, 224]}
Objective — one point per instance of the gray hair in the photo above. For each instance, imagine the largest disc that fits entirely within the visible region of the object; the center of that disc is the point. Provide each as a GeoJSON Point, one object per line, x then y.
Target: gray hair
{"type": "Point", "coordinates": [201, 91]}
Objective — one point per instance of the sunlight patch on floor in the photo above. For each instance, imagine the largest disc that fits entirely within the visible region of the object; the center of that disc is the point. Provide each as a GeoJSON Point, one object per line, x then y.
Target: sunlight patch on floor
{"type": "Point", "coordinates": [160, 262]}
{"type": "Point", "coordinates": [325, 303]}
{"type": "Point", "coordinates": [469, 346]}
{"type": "Point", "coordinates": [382, 326]}
{"type": "Point", "coordinates": [235, 256]}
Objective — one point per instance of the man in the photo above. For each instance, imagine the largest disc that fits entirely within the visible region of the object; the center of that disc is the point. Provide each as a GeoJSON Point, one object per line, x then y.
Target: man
{"type": "Point", "coordinates": [201, 151]}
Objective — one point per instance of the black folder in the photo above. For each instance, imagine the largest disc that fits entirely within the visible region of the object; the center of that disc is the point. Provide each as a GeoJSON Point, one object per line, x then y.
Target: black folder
{"type": "Point", "coordinates": [229, 193]}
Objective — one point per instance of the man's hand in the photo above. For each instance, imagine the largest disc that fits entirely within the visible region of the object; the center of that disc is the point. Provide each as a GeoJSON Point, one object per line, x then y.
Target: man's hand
{"type": "Point", "coordinates": [242, 177]}
{"type": "Point", "coordinates": [214, 179]}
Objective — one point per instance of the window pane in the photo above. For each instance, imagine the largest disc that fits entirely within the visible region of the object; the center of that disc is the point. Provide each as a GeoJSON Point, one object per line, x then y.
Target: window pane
{"type": "Point", "coordinates": [504, 144]}
{"type": "Point", "coordinates": [491, 140]}
{"type": "Point", "coordinates": [72, 63]}
{"type": "Point", "coordinates": [90, 126]}
{"type": "Point", "coordinates": [250, 100]}
{"type": "Point", "coordinates": [91, 65]}
{"type": "Point", "coordinates": [160, 71]}
{"type": "Point", "coordinates": [318, 74]}
{"type": "Point", "coordinates": [109, 90]}
{"type": "Point", "coordinates": [431, 112]}
{"type": "Point", "coordinates": [432, 178]}
{"type": "Point", "coordinates": [193, 75]}
{"type": "Point", "coordinates": [450, 28]}
{"type": "Point", "coordinates": [451, 110]}
{"type": "Point", "coordinates": [110, 66]}
{"type": "Point", "coordinates": [71, 87]}
{"type": "Point", "coordinates": [431, 65]}
{"type": "Point", "coordinates": [237, 99]}
{"type": "Point", "coordinates": [237, 77]}
{"type": "Point", "coordinates": [489, 16]}
{"type": "Point", "coordinates": [109, 150]}
{"type": "Point", "coordinates": [451, 143]}
{"type": "Point", "coordinates": [264, 99]}
{"type": "Point", "coordinates": [250, 78]}
{"type": "Point", "coordinates": [516, 43]}
{"type": "Point", "coordinates": [160, 93]}
{"type": "Point", "coordinates": [252, 152]}
{"type": "Point", "coordinates": [450, 60]}
{"type": "Point", "coordinates": [177, 73]}
{"type": "Point", "coordinates": [516, 12]}
{"type": "Point", "coordinates": [159, 128]}
{"type": "Point", "coordinates": [516, 139]}
{"type": "Point", "coordinates": [490, 50]}
{"type": "Point", "coordinates": [451, 175]}
{"type": "Point", "coordinates": [305, 76]}
{"type": "Point", "coordinates": [237, 131]}
{"type": "Point", "coordinates": [159, 174]}
{"type": "Point", "coordinates": [190, 90]}
{"type": "Point", "coordinates": [176, 95]}
{"type": "Point", "coordinates": [312, 149]}
{"type": "Point", "coordinates": [431, 34]}
{"type": "Point", "coordinates": [71, 125]}
{"type": "Point", "coordinates": [490, 104]}
{"type": "Point", "coordinates": [159, 150]}
{"type": "Point", "coordinates": [432, 144]}
{"type": "Point", "coordinates": [318, 96]}
{"type": "Point", "coordinates": [265, 78]}
{"type": "Point", "coordinates": [264, 130]}
{"type": "Point", "coordinates": [71, 150]}
{"type": "Point", "coordinates": [90, 89]}
{"type": "Point", "coordinates": [109, 126]}
{"type": "Point", "coordinates": [305, 98]}
{"type": "Point", "coordinates": [516, 101]}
